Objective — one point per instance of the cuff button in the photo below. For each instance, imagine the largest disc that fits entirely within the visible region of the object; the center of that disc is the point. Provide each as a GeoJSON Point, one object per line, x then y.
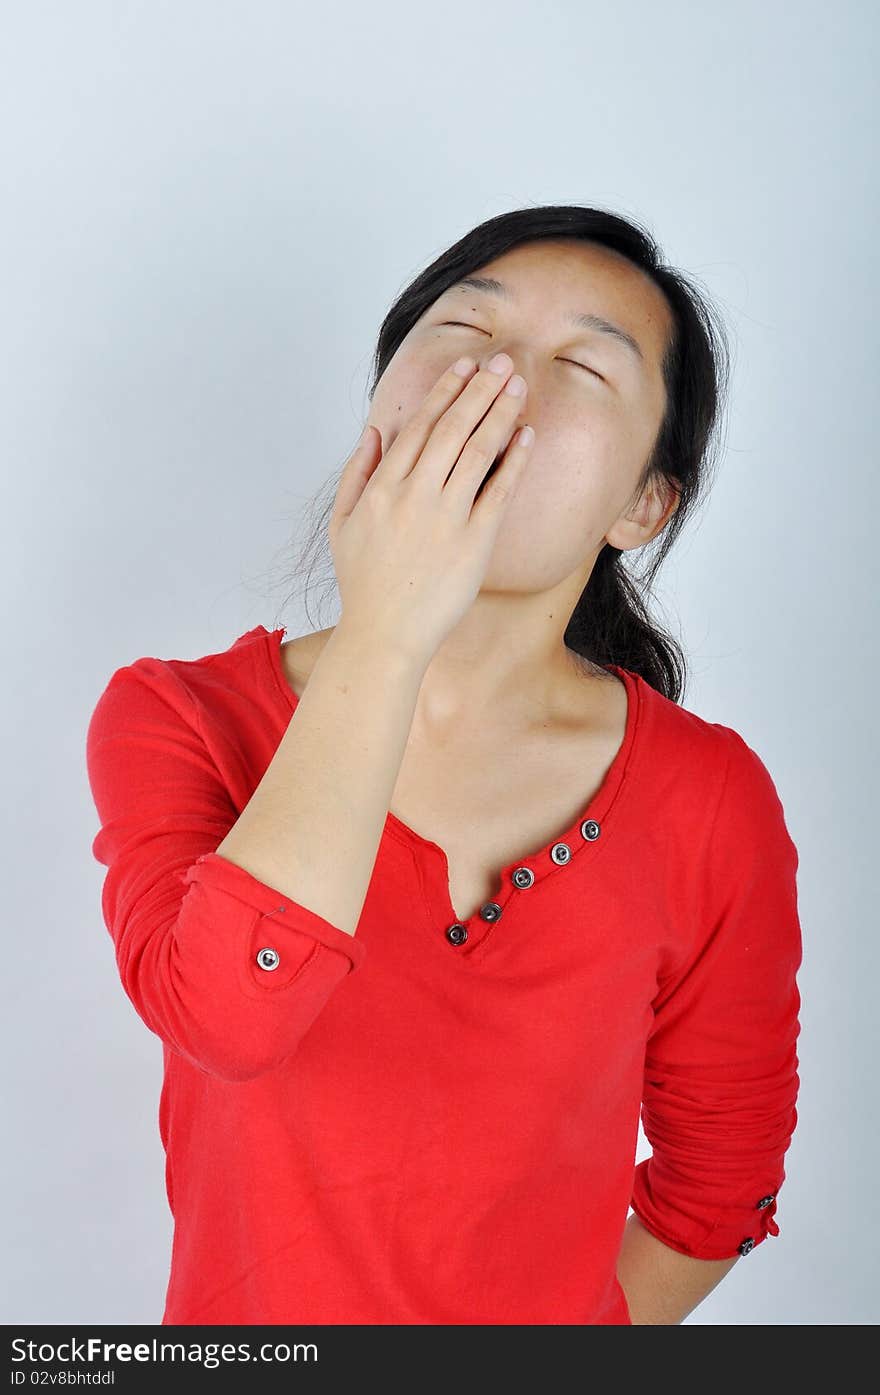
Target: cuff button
{"type": "Point", "coordinates": [747, 1245]}
{"type": "Point", "coordinates": [765, 1201]}
{"type": "Point", "coordinates": [268, 958]}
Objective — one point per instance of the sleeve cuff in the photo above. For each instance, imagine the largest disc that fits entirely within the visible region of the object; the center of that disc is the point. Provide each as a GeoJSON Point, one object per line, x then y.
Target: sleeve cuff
{"type": "Point", "coordinates": [217, 871]}
{"type": "Point", "coordinates": [724, 1234]}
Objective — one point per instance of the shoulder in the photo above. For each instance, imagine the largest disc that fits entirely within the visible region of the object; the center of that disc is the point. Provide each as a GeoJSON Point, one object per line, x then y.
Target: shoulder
{"type": "Point", "coordinates": [707, 770]}
{"type": "Point", "coordinates": [723, 834]}
{"type": "Point", "coordinates": [299, 655]}
{"type": "Point", "coordinates": [692, 750]}
{"type": "Point", "coordinates": [193, 688]}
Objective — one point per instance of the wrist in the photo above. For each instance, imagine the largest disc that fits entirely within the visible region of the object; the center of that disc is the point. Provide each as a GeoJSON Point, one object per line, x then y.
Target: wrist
{"type": "Point", "coordinates": [368, 645]}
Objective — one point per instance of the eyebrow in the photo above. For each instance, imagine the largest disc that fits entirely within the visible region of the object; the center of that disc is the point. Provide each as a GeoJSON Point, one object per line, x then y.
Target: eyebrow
{"type": "Point", "coordinates": [584, 321]}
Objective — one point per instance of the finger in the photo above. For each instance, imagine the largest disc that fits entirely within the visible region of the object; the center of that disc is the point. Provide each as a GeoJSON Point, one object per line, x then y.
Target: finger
{"type": "Point", "coordinates": [410, 441]}
{"type": "Point", "coordinates": [498, 488]}
{"type": "Point", "coordinates": [470, 433]}
{"type": "Point", "coordinates": [487, 444]}
{"type": "Point", "coordinates": [357, 472]}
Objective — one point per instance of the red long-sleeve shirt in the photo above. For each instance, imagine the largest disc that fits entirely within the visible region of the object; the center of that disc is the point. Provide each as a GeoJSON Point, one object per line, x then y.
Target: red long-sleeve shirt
{"type": "Point", "coordinates": [411, 1126]}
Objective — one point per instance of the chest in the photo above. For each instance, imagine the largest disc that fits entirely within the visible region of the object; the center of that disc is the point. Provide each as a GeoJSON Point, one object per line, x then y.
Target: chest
{"type": "Point", "coordinates": [488, 801]}
{"type": "Point", "coordinates": [488, 808]}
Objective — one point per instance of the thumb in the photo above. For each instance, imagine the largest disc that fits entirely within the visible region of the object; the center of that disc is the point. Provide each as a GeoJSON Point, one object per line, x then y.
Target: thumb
{"type": "Point", "coordinates": [357, 472]}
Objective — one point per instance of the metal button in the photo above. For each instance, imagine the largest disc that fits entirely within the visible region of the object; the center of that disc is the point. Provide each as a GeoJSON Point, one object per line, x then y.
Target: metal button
{"type": "Point", "coordinates": [590, 829]}
{"type": "Point", "coordinates": [490, 911]}
{"type": "Point", "coordinates": [765, 1201]}
{"type": "Point", "coordinates": [457, 934]}
{"type": "Point", "coordinates": [268, 958]}
{"type": "Point", "coordinates": [523, 877]}
{"type": "Point", "coordinates": [560, 853]}
{"type": "Point", "coordinates": [747, 1244]}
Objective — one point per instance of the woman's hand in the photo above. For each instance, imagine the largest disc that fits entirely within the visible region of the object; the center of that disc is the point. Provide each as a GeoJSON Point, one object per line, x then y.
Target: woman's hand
{"type": "Point", "coordinates": [411, 543]}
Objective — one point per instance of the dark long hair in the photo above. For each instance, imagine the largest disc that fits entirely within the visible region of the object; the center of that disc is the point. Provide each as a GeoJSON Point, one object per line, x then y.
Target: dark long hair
{"type": "Point", "coordinates": [611, 622]}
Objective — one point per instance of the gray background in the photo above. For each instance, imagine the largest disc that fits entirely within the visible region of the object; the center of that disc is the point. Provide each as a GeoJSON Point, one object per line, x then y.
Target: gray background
{"type": "Point", "coordinates": [207, 211]}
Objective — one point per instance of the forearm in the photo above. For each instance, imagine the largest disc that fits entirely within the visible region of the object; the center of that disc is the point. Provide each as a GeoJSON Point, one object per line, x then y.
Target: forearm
{"type": "Point", "coordinates": [663, 1286]}
{"type": "Point", "coordinates": [322, 802]}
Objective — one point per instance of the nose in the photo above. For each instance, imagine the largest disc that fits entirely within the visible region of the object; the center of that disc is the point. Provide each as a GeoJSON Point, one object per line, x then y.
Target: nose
{"type": "Point", "coordinates": [522, 357]}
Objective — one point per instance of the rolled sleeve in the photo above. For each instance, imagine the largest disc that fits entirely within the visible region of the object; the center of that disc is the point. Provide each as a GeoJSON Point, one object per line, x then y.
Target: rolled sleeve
{"type": "Point", "coordinates": [227, 971]}
{"type": "Point", "coordinates": [721, 1066]}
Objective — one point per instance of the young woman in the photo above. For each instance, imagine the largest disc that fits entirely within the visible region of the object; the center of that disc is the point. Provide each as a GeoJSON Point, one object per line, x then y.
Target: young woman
{"type": "Point", "coordinates": [430, 907]}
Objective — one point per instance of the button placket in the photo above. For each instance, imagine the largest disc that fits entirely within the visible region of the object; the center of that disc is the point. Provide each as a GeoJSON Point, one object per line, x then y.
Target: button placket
{"type": "Point", "coordinates": [522, 878]}
{"type": "Point", "coordinates": [490, 911]}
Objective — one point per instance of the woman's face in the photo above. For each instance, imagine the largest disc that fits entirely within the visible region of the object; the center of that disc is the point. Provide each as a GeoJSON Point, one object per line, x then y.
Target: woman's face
{"type": "Point", "coordinates": [593, 434]}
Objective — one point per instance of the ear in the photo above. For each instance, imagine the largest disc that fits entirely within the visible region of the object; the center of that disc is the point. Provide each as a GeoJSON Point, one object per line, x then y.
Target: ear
{"type": "Point", "coordinates": [644, 519]}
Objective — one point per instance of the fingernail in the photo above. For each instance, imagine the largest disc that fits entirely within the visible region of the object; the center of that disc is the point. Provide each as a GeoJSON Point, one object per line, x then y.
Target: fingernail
{"type": "Point", "coordinates": [501, 363]}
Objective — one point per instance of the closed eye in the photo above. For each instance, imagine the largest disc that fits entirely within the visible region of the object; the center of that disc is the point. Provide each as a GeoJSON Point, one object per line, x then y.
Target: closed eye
{"type": "Point", "coordinates": [464, 326]}
{"type": "Point", "coordinates": [461, 325]}
{"type": "Point", "coordinates": [583, 365]}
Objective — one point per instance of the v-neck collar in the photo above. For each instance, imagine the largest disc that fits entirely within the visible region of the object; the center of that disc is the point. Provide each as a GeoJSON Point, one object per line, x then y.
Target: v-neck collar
{"type": "Point", "coordinates": [585, 837]}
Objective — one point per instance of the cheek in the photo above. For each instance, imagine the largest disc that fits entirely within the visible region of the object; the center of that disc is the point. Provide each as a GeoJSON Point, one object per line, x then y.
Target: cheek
{"type": "Point", "coordinates": [574, 458]}
{"type": "Point", "coordinates": [573, 487]}
{"type": "Point", "coordinates": [400, 392]}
